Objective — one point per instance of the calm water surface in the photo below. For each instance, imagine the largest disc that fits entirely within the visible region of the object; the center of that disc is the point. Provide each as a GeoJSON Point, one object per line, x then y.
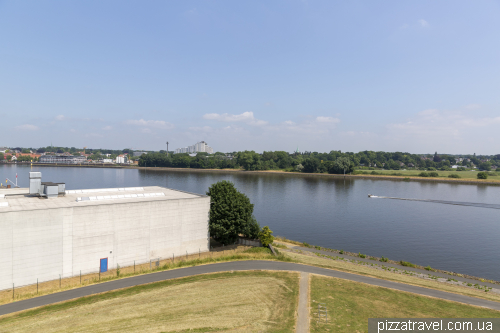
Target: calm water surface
{"type": "Point", "coordinates": [338, 214]}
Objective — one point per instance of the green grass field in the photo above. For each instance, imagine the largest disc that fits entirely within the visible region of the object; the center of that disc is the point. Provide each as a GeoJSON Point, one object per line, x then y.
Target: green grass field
{"type": "Point", "coordinates": [350, 304]}
{"type": "Point", "coordinates": [464, 175]}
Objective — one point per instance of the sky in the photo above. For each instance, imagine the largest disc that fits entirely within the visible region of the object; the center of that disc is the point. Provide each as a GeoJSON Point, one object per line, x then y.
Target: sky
{"type": "Point", "coordinates": [411, 76]}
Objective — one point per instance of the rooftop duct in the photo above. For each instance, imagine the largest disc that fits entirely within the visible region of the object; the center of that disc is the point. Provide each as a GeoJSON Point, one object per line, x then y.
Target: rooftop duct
{"type": "Point", "coordinates": [45, 189]}
{"type": "Point", "coordinates": [36, 183]}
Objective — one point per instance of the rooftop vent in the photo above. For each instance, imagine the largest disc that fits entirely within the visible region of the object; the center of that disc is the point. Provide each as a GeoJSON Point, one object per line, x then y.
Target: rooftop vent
{"type": "Point", "coordinates": [45, 189]}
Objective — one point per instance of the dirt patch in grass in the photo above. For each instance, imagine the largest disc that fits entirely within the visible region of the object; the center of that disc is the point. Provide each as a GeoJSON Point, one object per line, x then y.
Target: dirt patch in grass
{"type": "Point", "coordinates": [381, 274]}
{"type": "Point", "coordinates": [350, 304]}
{"type": "Point", "coordinates": [239, 302]}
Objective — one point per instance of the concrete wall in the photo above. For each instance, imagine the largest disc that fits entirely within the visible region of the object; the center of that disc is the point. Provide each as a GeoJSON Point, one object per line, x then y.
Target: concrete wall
{"type": "Point", "coordinates": [45, 243]}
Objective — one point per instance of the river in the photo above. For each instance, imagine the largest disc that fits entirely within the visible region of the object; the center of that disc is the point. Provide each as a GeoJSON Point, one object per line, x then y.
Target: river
{"type": "Point", "coordinates": [338, 214]}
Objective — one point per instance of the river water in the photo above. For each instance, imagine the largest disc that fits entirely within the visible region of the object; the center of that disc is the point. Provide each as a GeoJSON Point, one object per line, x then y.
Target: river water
{"type": "Point", "coordinates": [338, 214]}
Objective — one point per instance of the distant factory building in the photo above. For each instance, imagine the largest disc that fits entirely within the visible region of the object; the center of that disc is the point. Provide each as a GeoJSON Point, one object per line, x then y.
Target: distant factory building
{"type": "Point", "coordinates": [48, 230]}
{"type": "Point", "coordinates": [199, 147]}
{"type": "Point", "coordinates": [62, 159]}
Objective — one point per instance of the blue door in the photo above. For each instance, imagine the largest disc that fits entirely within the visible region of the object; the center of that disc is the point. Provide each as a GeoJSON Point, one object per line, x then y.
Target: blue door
{"type": "Point", "coordinates": [104, 265]}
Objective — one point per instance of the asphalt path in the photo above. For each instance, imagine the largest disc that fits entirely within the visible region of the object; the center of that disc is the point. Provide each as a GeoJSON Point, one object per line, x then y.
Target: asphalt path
{"type": "Point", "coordinates": [234, 266]}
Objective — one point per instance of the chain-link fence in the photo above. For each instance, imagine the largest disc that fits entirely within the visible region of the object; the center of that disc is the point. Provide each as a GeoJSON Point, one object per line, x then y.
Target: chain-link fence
{"type": "Point", "coordinates": [123, 269]}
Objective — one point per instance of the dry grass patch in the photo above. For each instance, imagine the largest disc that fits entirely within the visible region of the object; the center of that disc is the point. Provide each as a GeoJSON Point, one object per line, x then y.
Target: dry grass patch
{"type": "Point", "coordinates": [350, 304]}
{"type": "Point", "coordinates": [381, 274]}
{"type": "Point", "coordinates": [239, 302]}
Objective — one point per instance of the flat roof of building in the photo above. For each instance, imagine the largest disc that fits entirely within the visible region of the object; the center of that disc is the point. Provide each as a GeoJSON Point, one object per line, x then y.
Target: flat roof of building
{"type": "Point", "coordinates": [18, 199]}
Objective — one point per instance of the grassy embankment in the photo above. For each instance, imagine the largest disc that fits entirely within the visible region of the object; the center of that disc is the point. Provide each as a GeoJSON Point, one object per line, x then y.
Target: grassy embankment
{"type": "Point", "coordinates": [235, 302]}
{"type": "Point", "coordinates": [350, 304]}
{"type": "Point", "coordinates": [311, 259]}
{"type": "Point", "coordinates": [245, 302]}
{"type": "Point", "coordinates": [229, 253]}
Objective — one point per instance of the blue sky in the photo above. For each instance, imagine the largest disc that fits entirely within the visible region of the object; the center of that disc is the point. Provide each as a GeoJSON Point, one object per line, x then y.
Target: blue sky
{"type": "Point", "coordinates": [259, 75]}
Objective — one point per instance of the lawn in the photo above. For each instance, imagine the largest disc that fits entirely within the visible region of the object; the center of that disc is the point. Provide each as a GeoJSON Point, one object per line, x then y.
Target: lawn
{"type": "Point", "coordinates": [350, 304]}
{"type": "Point", "coordinates": [235, 302]}
{"type": "Point", "coordinates": [464, 175]}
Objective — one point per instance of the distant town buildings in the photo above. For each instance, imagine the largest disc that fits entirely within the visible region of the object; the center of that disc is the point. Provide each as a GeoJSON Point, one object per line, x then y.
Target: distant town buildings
{"type": "Point", "coordinates": [121, 159]}
{"type": "Point", "coordinates": [62, 159]}
{"type": "Point", "coordinates": [199, 147]}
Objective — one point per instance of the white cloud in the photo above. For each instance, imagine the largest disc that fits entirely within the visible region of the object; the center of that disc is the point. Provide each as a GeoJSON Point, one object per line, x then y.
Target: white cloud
{"type": "Point", "coordinates": [423, 23]}
{"type": "Point", "coordinates": [201, 129]}
{"type": "Point", "coordinates": [327, 120]}
{"type": "Point", "coordinates": [472, 106]}
{"type": "Point", "coordinates": [246, 117]}
{"type": "Point", "coordinates": [434, 125]}
{"type": "Point", "coordinates": [27, 127]}
{"type": "Point", "coordinates": [107, 128]}
{"type": "Point", "coordinates": [60, 117]}
{"type": "Point", "coordinates": [150, 123]}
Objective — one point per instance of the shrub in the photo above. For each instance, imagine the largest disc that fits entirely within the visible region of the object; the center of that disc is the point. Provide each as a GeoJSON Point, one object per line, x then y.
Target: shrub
{"type": "Point", "coordinates": [317, 247]}
{"type": "Point", "coordinates": [453, 175]}
{"type": "Point", "coordinates": [265, 236]}
{"type": "Point", "coordinates": [362, 255]}
{"type": "Point", "coordinates": [383, 259]}
{"type": "Point", "coordinates": [306, 245]}
{"type": "Point", "coordinates": [482, 175]}
{"type": "Point", "coordinates": [429, 268]}
{"type": "Point", "coordinates": [341, 251]}
{"type": "Point", "coordinates": [433, 174]}
{"type": "Point", "coordinates": [407, 264]}
{"type": "Point", "coordinates": [423, 174]}
{"type": "Point", "coordinates": [431, 169]}
{"type": "Point", "coordinates": [460, 169]}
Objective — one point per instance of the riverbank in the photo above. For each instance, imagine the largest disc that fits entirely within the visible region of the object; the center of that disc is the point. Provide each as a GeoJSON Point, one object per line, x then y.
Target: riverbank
{"type": "Point", "coordinates": [379, 177]}
{"type": "Point", "coordinates": [365, 259]}
{"type": "Point", "coordinates": [405, 177]}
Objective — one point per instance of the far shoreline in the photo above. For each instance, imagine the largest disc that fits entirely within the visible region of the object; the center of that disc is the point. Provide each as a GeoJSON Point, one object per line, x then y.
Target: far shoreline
{"type": "Point", "coordinates": [347, 176]}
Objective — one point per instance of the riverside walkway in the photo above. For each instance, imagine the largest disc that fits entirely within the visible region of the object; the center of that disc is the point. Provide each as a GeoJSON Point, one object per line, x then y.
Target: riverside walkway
{"type": "Point", "coordinates": [235, 266]}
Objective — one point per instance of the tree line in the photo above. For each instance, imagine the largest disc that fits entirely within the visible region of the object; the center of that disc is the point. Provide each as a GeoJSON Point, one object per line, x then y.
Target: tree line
{"type": "Point", "coordinates": [313, 162]}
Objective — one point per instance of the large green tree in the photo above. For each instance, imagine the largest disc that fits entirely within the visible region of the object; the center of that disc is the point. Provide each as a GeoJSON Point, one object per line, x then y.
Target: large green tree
{"type": "Point", "coordinates": [341, 166]}
{"type": "Point", "coordinates": [230, 213]}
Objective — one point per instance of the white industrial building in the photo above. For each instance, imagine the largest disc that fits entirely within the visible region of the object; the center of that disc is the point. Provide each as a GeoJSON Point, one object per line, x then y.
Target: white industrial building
{"type": "Point", "coordinates": [55, 231]}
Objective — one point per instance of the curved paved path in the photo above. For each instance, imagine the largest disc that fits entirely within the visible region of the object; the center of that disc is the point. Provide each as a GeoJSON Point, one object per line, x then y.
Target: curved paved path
{"type": "Point", "coordinates": [234, 266]}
